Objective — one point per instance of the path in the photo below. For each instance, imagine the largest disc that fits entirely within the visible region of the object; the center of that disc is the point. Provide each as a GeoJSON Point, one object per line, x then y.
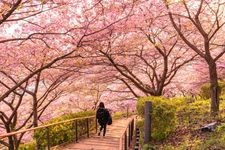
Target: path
{"type": "Point", "coordinates": [109, 142]}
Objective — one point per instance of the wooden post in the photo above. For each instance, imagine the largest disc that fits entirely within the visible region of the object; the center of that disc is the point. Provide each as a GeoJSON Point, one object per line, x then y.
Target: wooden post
{"type": "Point", "coordinates": [132, 129]}
{"type": "Point", "coordinates": [48, 138]}
{"type": "Point", "coordinates": [38, 145]}
{"type": "Point", "coordinates": [127, 111]}
{"type": "Point", "coordinates": [125, 141]}
{"type": "Point", "coordinates": [147, 122]}
{"type": "Point", "coordinates": [96, 125]}
{"type": "Point", "coordinates": [76, 130]}
{"type": "Point", "coordinates": [87, 127]}
{"type": "Point", "coordinates": [129, 135]}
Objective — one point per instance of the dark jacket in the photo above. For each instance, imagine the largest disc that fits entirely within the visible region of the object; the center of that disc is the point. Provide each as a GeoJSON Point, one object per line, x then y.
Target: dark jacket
{"type": "Point", "coordinates": [102, 115]}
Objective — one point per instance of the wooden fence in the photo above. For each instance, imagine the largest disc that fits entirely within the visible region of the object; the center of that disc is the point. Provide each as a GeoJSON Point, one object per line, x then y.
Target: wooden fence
{"type": "Point", "coordinates": [80, 130]}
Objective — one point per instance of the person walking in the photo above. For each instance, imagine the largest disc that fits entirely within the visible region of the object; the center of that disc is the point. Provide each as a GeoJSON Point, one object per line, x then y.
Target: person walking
{"type": "Point", "coordinates": [102, 116]}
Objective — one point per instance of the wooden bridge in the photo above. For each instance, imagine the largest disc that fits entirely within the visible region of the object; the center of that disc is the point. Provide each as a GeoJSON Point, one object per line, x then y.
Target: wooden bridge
{"type": "Point", "coordinates": [119, 135]}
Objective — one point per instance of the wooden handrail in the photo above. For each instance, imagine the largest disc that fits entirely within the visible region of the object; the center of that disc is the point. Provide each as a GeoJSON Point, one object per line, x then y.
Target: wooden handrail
{"type": "Point", "coordinates": [44, 126]}
{"type": "Point", "coordinates": [124, 132]}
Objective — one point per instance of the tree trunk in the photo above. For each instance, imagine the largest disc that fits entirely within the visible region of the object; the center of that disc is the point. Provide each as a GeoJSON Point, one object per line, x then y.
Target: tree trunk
{"type": "Point", "coordinates": [214, 88]}
{"type": "Point", "coordinates": [35, 112]}
{"type": "Point", "coordinates": [10, 139]}
{"type": "Point", "coordinates": [35, 119]}
{"type": "Point", "coordinates": [11, 143]}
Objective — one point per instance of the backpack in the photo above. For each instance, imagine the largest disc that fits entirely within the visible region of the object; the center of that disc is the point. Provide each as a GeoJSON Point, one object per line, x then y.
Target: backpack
{"type": "Point", "coordinates": [109, 120]}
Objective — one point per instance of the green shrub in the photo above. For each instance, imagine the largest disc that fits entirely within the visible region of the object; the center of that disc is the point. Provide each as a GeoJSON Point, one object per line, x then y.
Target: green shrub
{"type": "Point", "coordinates": [222, 108]}
{"type": "Point", "coordinates": [64, 132]}
{"type": "Point", "coordinates": [28, 146]}
{"type": "Point", "coordinates": [118, 115]}
{"type": "Point", "coordinates": [220, 131]}
{"type": "Point", "coordinates": [163, 116]}
{"type": "Point", "coordinates": [205, 89]}
{"type": "Point", "coordinates": [148, 147]}
{"type": "Point", "coordinates": [191, 114]}
{"type": "Point", "coordinates": [180, 101]}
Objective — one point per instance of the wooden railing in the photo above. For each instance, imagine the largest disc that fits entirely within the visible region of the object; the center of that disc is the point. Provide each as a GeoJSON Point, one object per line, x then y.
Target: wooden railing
{"type": "Point", "coordinates": [74, 122]}
{"type": "Point", "coordinates": [127, 136]}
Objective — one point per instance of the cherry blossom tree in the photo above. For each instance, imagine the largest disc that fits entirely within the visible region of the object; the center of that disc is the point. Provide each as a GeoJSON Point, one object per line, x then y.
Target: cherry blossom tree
{"type": "Point", "coordinates": [40, 36]}
{"type": "Point", "coordinates": [146, 56]}
{"type": "Point", "coordinates": [201, 26]}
